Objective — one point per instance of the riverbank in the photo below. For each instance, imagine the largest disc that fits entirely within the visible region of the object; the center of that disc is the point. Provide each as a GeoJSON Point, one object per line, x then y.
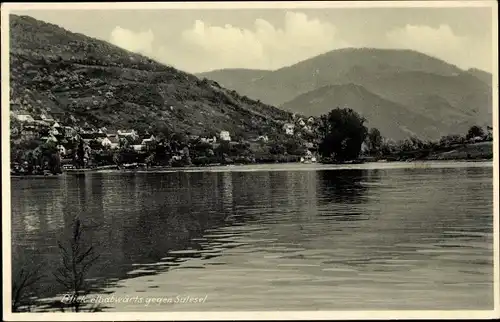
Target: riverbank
{"type": "Point", "coordinates": [282, 166]}
{"type": "Point", "coordinates": [477, 152]}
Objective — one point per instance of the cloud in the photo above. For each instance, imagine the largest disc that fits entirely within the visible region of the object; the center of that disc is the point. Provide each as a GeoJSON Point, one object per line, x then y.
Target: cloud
{"type": "Point", "coordinates": [206, 47]}
{"type": "Point", "coordinates": [141, 42]}
{"type": "Point", "coordinates": [265, 46]}
{"type": "Point", "coordinates": [443, 43]}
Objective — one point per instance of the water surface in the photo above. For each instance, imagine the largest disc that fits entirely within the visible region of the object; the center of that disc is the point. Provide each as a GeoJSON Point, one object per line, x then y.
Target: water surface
{"type": "Point", "coordinates": [401, 237]}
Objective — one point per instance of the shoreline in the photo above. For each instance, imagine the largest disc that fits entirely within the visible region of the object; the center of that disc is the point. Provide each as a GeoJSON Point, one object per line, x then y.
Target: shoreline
{"type": "Point", "coordinates": [273, 167]}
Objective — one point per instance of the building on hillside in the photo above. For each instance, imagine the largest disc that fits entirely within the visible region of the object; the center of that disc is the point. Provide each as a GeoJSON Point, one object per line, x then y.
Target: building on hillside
{"type": "Point", "coordinates": [29, 132]}
{"type": "Point", "coordinates": [208, 140]}
{"type": "Point", "coordinates": [87, 130]}
{"type": "Point", "coordinates": [87, 137]}
{"type": "Point", "coordinates": [289, 128]}
{"type": "Point", "coordinates": [111, 141]}
{"type": "Point", "coordinates": [42, 123]}
{"type": "Point", "coordinates": [128, 133]}
{"type": "Point", "coordinates": [225, 136]}
{"type": "Point", "coordinates": [100, 136]}
{"type": "Point", "coordinates": [25, 118]}
{"type": "Point", "coordinates": [54, 131]}
{"type": "Point", "coordinates": [56, 125]}
{"type": "Point", "coordinates": [301, 122]}
{"type": "Point", "coordinates": [138, 147]}
{"type": "Point", "coordinates": [148, 140]}
{"type": "Point", "coordinates": [310, 120]}
{"type": "Point", "coordinates": [49, 138]}
{"type": "Point", "coordinates": [46, 117]}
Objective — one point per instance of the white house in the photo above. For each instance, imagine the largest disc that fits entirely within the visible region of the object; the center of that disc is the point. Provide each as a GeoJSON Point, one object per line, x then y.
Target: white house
{"type": "Point", "coordinates": [46, 118]}
{"type": "Point", "coordinates": [128, 133]}
{"type": "Point", "coordinates": [25, 118]}
{"type": "Point", "coordinates": [56, 125]}
{"type": "Point", "coordinates": [225, 136]}
{"type": "Point", "coordinates": [310, 120]}
{"type": "Point", "coordinates": [147, 141]}
{"type": "Point", "coordinates": [111, 141]}
{"type": "Point", "coordinates": [54, 131]}
{"type": "Point", "coordinates": [289, 128]}
{"type": "Point", "coordinates": [138, 147]}
{"type": "Point", "coordinates": [301, 122]}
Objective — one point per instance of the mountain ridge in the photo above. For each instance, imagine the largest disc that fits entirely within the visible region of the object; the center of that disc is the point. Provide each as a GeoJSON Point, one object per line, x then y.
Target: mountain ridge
{"type": "Point", "coordinates": [454, 99]}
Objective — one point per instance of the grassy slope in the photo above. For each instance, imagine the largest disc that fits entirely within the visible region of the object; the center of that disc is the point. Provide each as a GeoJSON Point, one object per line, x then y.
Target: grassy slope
{"type": "Point", "coordinates": [60, 72]}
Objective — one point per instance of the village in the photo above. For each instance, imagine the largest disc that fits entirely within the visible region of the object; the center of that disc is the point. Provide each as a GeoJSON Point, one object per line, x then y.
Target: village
{"type": "Point", "coordinates": [103, 147]}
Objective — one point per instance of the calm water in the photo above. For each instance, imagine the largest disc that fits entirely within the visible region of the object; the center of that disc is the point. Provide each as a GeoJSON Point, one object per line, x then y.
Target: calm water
{"type": "Point", "coordinates": [401, 238]}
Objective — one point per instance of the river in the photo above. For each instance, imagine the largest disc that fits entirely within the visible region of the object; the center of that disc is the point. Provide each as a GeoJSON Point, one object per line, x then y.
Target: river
{"type": "Point", "coordinates": [307, 237]}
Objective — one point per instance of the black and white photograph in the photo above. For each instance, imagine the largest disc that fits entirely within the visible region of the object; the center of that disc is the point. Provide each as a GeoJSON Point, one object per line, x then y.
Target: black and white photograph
{"type": "Point", "coordinates": [250, 160]}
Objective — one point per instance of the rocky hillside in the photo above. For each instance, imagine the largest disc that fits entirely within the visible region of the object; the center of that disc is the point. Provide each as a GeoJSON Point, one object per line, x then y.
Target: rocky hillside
{"type": "Point", "coordinates": [83, 80]}
{"type": "Point", "coordinates": [447, 97]}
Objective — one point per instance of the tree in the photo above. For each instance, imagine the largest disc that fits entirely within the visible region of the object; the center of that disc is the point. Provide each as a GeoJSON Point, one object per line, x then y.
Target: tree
{"type": "Point", "coordinates": [76, 261]}
{"type": "Point", "coordinates": [374, 141]}
{"type": "Point", "coordinates": [22, 284]}
{"type": "Point", "coordinates": [449, 140]}
{"type": "Point", "coordinates": [474, 131]}
{"type": "Point", "coordinates": [341, 133]}
{"type": "Point", "coordinates": [80, 154]}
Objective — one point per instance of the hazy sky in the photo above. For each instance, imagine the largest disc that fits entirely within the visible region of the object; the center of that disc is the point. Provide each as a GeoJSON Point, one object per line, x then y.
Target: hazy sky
{"type": "Point", "coordinates": [203, 40]}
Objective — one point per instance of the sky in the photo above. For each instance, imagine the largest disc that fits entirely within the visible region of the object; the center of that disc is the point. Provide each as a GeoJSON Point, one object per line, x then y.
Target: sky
{"type": "Point", "coordinates": [201, 40]}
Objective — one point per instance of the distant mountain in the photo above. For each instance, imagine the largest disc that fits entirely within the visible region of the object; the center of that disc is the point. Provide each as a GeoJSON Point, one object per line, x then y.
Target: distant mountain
{"type": "Point", "coordinates": [394, 120]}
{"type": "Point", "coordinates": [450, 97]}
{"type": "Point", "coordinates": [66, 74]}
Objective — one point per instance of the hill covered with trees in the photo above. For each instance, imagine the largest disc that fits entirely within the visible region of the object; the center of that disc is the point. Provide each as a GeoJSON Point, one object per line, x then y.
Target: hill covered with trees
{"type": "Point", "coordinates": [85, 81]}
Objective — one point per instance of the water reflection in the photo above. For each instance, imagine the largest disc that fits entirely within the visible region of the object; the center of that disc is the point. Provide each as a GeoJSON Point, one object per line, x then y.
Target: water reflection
{"type": "Point", "coordinates": [344, 186]}
{"type": "Point", "coordinates": [312, 222]}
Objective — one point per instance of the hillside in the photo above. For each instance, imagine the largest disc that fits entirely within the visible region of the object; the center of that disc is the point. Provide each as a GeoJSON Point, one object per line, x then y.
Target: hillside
{"type": "Point", "coordinates": [486, 77]}
{"type": "Point", "coordinates": [438, 91]}
{"type": "Point", "coordinates": [66, 74]}
{"type": "Point", "coordinates": [235, 77]}
{"type": "Point", "coordinates": [393, 120]}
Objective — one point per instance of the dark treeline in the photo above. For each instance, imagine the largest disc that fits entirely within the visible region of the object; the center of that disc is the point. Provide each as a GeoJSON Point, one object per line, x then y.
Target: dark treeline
{"type": "Point", "coordinates": [344, 137]}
